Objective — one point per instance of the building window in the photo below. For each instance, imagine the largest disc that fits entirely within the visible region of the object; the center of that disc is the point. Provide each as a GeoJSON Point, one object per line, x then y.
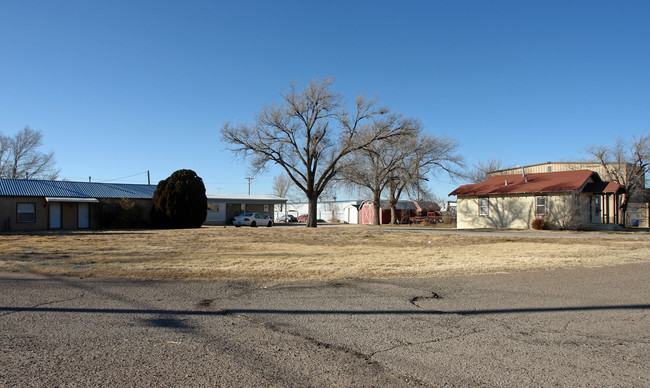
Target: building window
{"type": "Point", "coordinates": [266, 208]}
{"type": "Point", "coordinates": [26, 212]}
{"type": "Point", "coordinates": [483, 204]}
{"type": "Point", "coordinates": [540, 206]}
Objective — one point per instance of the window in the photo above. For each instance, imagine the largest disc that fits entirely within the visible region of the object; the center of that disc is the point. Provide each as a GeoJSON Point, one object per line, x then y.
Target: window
{"type": "Point", "coordinates": [483, 204]}
{"type": "Point", "coordinates": [540, 206]}
{"type": "Point", "coordinates": [26, 212]}
{"type": "Point", "coordinates": [266, 208]}
{"type": "Point", "coordinates": [597, 206]}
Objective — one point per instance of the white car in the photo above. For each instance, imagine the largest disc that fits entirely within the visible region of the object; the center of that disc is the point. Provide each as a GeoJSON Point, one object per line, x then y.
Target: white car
{"type": "Point", "coordinates": [252, 219]}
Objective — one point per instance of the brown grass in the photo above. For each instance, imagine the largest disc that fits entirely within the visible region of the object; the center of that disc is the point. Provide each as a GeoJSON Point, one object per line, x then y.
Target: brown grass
{"type": "Point", "coordinates": [294, 253]}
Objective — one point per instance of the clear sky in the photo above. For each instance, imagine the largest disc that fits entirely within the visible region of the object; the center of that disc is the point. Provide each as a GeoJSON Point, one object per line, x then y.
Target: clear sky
{"type": "Point", "coordinates": [122, 87]}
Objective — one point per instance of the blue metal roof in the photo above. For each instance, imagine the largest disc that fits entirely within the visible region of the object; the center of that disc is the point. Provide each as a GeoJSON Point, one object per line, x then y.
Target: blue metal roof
{"type": "Point", "coordinates": [38, 188]}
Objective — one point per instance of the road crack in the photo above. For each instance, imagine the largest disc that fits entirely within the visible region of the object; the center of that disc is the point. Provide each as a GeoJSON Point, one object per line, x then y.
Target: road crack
{"type": "Point", "coordinates": [414, 301]}
{"type": "Point", "coordinates": [359, 355]}
{"type": "Point", "coordinates": [431, 341]}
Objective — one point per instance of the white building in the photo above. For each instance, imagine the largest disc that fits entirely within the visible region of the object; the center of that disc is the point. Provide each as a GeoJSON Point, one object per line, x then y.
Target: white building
{"type": "Point", "coordinates": [330, 211]}
{"type": "Point", "coordinates": [222, 208]}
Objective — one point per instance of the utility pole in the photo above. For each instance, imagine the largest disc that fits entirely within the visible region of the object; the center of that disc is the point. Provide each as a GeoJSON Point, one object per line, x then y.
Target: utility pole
{"type": "Point", "coordinates": [249, 184]}
{"type": "Point", "coordinates": [148, 178]}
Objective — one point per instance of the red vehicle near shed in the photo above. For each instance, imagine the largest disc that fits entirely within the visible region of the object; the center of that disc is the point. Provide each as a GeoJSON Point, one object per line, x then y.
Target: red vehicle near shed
{"type": "Point", "coordinates": [405, 212]}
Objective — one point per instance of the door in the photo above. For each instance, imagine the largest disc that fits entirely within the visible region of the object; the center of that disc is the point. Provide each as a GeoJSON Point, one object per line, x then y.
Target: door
{"type": "Point", "coordinates": [55, 215]}
{"type": "Point", "coordinates": [83, 210]}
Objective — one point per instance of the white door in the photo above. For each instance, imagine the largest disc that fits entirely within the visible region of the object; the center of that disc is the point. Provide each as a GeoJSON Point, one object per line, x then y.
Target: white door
{"type": "Point", "coordinates": [84, 216]}
{"type": "Point", "coordinates": [55, 215]}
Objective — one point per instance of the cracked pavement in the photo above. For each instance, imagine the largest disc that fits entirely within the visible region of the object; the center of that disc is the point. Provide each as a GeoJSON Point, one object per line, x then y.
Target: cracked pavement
{"type": "Point", "coordinates": [577, 327]}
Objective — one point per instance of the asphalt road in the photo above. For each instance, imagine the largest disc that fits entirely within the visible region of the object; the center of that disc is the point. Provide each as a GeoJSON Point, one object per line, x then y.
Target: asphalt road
{"type": "Point", "coordinates": [579, 327]}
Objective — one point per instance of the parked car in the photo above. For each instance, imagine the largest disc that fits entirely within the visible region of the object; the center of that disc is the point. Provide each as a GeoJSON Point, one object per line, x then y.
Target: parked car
{"type": "Point", "coordinates": [288, 218]}
{"type": "Point", "coordinates": [252, 219]}
{"type": "Point", "coordinates": [302, 218]}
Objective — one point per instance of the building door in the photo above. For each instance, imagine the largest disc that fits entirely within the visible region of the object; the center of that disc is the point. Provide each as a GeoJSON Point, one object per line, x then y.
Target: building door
{"type": "Point", "coordinates": [83, 211]}
{"type": "Point", "coordinates": [55, 215]}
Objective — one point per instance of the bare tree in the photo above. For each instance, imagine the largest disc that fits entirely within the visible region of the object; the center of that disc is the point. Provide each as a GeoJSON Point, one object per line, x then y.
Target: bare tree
{"type": "Point", "coordinates": [4, 155]}
{"type": "Point", "coordinates": [20, 156]}
{"type": "Point", "coordinates": [424, 155]}
{"type": "Point", "coordinates": [308, 134]}
{"type": "Point", "coordinates": [373, 167]}
{"type": "Point", "coordinates": [626, 163]}
{"type": "Point", "coordinates": [281, 187]}
{"type": "Point", "coordinates": [479, 171]}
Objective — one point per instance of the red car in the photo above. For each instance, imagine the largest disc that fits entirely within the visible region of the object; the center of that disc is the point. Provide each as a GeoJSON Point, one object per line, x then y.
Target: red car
{"type": "Point", "coordinates": [302, 218]}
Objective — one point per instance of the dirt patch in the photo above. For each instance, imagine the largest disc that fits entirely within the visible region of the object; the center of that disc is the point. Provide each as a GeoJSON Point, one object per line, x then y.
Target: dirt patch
{"type": "Point", "coordinates": [302, 253]}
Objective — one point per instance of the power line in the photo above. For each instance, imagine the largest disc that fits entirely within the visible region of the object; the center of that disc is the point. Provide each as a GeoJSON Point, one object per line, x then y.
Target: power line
{"type": "Point", "coordinates": [125, 177]}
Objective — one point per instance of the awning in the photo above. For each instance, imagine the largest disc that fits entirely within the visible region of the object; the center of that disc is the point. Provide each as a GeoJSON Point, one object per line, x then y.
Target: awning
{"type": "Point", "coordinates": [71, 199]}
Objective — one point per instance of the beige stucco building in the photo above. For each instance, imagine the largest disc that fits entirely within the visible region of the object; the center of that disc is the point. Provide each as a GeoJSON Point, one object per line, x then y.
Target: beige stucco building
{"type": "Point", "coordinates": [567, 199]}
{"type": "Point", "coordinates": [638, 213]}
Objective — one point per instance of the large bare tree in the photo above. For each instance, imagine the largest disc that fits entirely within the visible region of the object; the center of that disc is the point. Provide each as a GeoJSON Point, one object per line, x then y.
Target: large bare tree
{"type": "Point", "coordinates": [373, 167]}
{"type": "Point", "coordinates": [20, 156]}
{"type": "Point", "coordinates": [308, 134]}
{"type": "Point", "coordinates": [425, 155]}
{"type": "Point", "coordinates": [626, 163]}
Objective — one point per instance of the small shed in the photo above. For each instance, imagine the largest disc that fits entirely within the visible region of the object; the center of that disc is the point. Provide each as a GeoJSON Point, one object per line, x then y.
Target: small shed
{"type": "Point", "coordinates": [222, 208]}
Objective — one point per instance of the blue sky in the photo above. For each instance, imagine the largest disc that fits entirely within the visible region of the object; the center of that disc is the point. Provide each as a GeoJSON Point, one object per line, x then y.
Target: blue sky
{"type": "Point", "coordinates": [122, 87]}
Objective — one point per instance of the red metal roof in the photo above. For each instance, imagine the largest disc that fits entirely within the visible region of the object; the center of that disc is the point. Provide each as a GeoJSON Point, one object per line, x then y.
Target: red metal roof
{"type": "Point", "coordinates": [532, 183]}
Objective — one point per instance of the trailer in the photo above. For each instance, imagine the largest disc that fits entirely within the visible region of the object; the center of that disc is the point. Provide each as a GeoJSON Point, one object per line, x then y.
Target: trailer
{"type": "Point", "coordinates": [430, 218]}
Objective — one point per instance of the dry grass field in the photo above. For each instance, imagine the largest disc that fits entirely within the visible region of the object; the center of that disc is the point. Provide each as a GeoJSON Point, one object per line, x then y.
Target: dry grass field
{"type": "Point", "coordinates": [294, 253]}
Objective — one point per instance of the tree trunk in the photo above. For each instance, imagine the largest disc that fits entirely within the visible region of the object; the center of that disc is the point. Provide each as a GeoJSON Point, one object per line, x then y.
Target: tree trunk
{"type": "Point", "coordinates": [623, 211]}
{"type": "Point", "coordinates": [313, 212]}
{"type": "Point", "coordinates": [392, 201]}
{"type": "Point", "coordinates": [393, 213]}
{"type": "Point", "coordinates": [376, 206]}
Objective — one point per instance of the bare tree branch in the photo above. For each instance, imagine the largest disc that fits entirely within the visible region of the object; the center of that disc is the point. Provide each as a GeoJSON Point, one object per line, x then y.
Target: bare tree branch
{"type": "Point", "coordinates": [479, 171]}
{"type": "Point", "coordinates": [626, 163]}
{"type": "Point", "coordinates": [20, 157]}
